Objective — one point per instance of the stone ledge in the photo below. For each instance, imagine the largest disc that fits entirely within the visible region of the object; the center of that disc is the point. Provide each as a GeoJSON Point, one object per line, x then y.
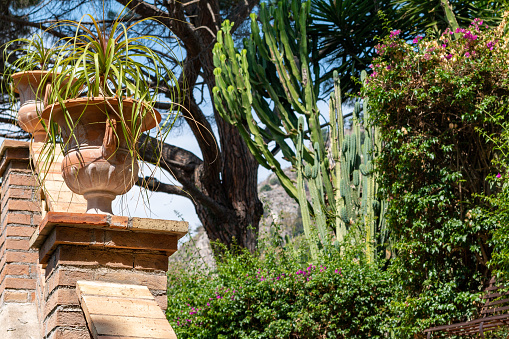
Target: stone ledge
{"type": "Point", "coordinates": [10, 146]}
{"type": "Point", "coordinates": [106, 222]}
{"type": "Point", "coordinates": [105, 231]}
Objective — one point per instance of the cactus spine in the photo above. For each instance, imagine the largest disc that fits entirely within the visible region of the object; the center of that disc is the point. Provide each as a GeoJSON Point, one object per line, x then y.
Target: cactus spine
{"type": "Point", "coordinates": [272, 78]}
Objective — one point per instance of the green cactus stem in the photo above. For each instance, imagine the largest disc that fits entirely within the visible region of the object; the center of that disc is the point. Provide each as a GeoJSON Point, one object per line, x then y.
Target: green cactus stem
{"type": "Point", "coordinates": [267, 91]}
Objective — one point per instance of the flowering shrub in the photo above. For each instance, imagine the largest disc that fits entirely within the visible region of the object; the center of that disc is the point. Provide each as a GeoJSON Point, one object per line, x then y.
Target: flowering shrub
{"type": "Point", "coordinates": [499, 214]}
{"type": "Point", "coordinates": [274, 295]}
{"type": "Point", "coordinates": [439, 102]}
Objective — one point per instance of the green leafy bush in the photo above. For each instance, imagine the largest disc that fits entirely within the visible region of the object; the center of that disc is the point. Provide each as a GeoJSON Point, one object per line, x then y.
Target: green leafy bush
{"type": "Point", "coordinates": [272, 294]}
{"type": "Point", "coordinates": [499, 213]}
{"type": "Point", "coordinates": [274, 180]}
{"type": "Point", "coordinates": [265, 188]}
{"type": "Point", "coordinates": [439, 102]}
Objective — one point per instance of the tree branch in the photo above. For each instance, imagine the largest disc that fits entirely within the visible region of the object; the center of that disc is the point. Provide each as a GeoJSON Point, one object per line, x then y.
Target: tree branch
{"type": "Point", "coordinates": [183, 165]}
{"type": "Point", "coordinates": [167, 156]}
{"type": "Point", "coordinates": [177, 24]}
{"type": "Point", "coordinates": [241, 11]}
{"type": "Point", "coordinates": [154, 185]}
{"type": "Point", "coordinates": [20, 21]}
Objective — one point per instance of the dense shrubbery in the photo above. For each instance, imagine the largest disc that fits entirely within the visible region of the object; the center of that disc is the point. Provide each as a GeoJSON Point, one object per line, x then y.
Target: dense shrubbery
{"type": "Point", "coordinates": [439, 102]}
{"type": "Point", "coordinates": [499, 214]}
{"type": "Point", "coordinates": [273, 294]}
{"type": "Point", "coordinates": [441, 106]}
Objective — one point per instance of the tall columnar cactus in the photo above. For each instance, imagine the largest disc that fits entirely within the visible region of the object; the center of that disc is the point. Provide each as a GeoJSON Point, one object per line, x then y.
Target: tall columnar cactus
{"type": "Point", "coordinates": [267, 91]}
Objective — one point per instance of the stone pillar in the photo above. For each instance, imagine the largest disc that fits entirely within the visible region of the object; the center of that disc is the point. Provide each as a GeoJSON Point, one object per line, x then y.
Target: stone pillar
{"type": "Point", "coordinates": [41, 260]}
{"type": "Point", "coordinates": [20, 212]}
{"type": "Point", "coordinates": [95, 247]}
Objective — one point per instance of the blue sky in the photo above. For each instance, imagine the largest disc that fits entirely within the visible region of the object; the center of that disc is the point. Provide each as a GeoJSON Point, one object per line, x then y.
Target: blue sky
{"type": "Point", "coordinates": [141, 203]}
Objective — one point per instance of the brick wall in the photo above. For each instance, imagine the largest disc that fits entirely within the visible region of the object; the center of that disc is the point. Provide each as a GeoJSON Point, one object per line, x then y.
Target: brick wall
{"type": "Point", "coordinates": [41, 260]}
{"type": "Point", "coordinates": [20, 211]}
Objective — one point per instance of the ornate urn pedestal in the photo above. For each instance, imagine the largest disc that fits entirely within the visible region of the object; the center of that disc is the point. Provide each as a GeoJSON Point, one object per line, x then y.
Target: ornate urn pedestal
{"type": "Point", "coordinates": [31, 98]}
{"type": "Point", "coordinates": [98, 162]}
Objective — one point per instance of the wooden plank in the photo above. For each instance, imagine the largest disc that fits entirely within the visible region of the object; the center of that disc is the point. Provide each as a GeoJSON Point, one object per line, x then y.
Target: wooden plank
{"type": "Point", "coordinates": [112, 290]}
{"type": "Point", "coordinates": [488, 317]}
{"type": "Point", "coordinates": [472, 324]}
{"type": "Point", "coordinates": [495, 310]}
{"type": "Point", "coordinates": [496, 302]}
{"type": "Point", "coordinates": [103, 305]}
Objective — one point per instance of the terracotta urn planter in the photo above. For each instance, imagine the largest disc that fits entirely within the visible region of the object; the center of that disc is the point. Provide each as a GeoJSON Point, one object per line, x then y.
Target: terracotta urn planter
{"type": "Point", "coordinates": [31, 103]}
{"type": "Point", "coordinates": [98, 163]}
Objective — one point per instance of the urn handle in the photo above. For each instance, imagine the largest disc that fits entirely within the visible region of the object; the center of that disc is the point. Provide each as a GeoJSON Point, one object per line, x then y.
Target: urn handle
{"type": "Point", "coordinates": [110, 139]}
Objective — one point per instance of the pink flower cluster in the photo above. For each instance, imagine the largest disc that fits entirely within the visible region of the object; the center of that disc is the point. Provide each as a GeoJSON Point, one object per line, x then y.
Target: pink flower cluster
{"type": "Point", "coordinates": [300, 276]}
{"type": "Point", "coordinates": [417, 39]}
{"type": "Point", "coordinates": [395, 33]}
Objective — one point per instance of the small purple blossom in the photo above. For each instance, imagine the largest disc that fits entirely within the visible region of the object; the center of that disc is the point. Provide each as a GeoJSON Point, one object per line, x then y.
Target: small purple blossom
{"type": "Point", "coordinates": [448, 56]}
{"type": "Point", "coordinates": [467, 55]}
{"type": "Point", "coordinates": [490, 45]}
{"type": "Point", "coordinates": [499, 175]}
{"type": "Point", "coordinates": [468, 35]}
{"type": "Point", "coordinates": [394, 34]}
{"type": "Point", "coordinates": [416, 39]}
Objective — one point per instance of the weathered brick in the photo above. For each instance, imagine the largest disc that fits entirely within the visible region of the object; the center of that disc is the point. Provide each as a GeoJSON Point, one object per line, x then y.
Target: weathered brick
{"type": "Point", "coordinates": [71, 207]}
{"type": "Point", "coordinates": [16, 296]}
{"type": "Point", "coordinates": [61, 318]}
{"type": "Point", "coordinates": [19, 283]}
{"type": "Point", "coordinates": [53, 187]}
{"type": "Point", "coordinates": [25, 257]}
{"type": "Point", "coordinates": [149, 261]}
{"type": "Point", "coordinates": [70, 333]}
{"type": "Point", "coordinates": [19, 231]}
{"type": "Point", "coordinates": [18, 179]}
{"type": "Point", "coordinates": [17, 244]}
{"type": "Point", "coordinates": [16, 269]}
{"type": "Point", "coordinates": [152, 281]}
{"type": "Point", "coordinates": [15, 218]}
{"type": "Point", "coordinates": [162, 301]}
{"type": "Point", "coordinates": [79, 256]}
{"type": "Point", "coordinates": [23, 205]}
{"type": "Point", "coordinates": [67, 277]}
{"type": "Point", "coordinates": [19, 193]}
{"type": "Point", "coordinates": [53, 174]}
{"type": "Point", "coordinates": [60, 296]}
{"type": "Point", "coordinates": [17, 153]}
{"type": "Point", "coordinates": [36, 219]}
{"type": "Point", "coordinates": [146, 241]}
{"type": "Point", "coordinates": [118, 221]}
